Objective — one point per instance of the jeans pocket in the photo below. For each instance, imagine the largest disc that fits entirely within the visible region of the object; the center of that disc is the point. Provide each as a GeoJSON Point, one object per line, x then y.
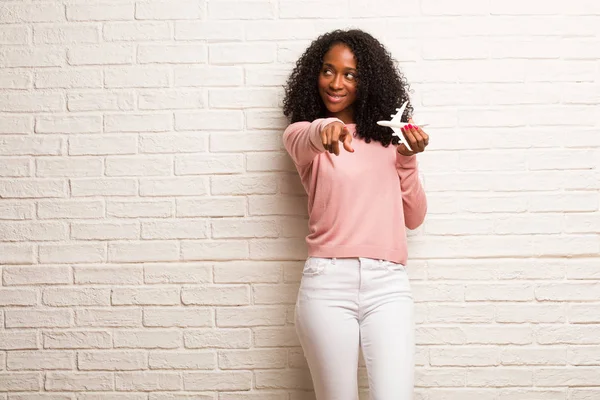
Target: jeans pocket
{"type": "Point", "coordinates": [394, 267]}
{"type": "Point", "coordinates": [314, 266]}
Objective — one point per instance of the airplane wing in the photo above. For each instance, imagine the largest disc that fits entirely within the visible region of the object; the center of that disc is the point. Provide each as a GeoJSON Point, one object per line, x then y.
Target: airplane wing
{"type": "Point", "coordinates": [398, 116]}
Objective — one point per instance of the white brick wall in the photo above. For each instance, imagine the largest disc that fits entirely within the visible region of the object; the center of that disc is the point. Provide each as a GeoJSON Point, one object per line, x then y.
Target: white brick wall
{"type": "Point", "coordinates": [151, 224]}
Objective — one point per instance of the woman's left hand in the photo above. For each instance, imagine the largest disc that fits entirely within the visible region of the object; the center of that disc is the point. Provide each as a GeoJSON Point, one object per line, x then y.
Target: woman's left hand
{"type": "Point", "coordinates": [416, 138]}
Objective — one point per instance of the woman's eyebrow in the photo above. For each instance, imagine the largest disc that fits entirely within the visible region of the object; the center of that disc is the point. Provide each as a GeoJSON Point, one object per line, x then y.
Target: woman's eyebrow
{"type": "Point", "coordinates": [333, 67]}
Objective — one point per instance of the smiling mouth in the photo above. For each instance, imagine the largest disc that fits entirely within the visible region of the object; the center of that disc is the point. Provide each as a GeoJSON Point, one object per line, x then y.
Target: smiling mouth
{"type": "Point", "coordinates": [335, 98]}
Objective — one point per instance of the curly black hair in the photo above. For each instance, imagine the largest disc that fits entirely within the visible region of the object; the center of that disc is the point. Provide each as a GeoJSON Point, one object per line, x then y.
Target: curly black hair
{"type": "Point", "coordinates": [381, 86]}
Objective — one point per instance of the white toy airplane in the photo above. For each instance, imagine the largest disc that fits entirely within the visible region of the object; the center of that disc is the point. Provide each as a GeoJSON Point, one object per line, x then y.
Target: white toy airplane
{"type": "Point", "coordinates": [395, 124]}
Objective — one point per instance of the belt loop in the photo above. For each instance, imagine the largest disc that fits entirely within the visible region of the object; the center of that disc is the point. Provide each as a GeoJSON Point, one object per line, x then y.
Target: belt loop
{"type": "Point", "coordinates": [333, 260]}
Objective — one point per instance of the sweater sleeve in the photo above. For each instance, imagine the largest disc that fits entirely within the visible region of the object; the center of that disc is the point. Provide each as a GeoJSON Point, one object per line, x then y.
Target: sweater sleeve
{"type": "Point", "coordinates": [302, 140]}
{"type": "Point", "coordinates": [413, 196]}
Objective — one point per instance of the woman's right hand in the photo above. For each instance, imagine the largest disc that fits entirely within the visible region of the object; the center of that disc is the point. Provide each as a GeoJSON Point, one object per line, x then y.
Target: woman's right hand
{"type": "Point", "coordinates": [333, 134]}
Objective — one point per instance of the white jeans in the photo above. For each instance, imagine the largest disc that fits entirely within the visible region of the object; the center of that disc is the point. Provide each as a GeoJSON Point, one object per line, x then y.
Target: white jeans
{"type": "Point", "coordinates": [345, 302]}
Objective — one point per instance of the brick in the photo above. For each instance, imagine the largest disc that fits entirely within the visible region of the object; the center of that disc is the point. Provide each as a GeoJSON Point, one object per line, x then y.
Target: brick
{"type": "Point", "coordinates": [278, 249]}
{"type": "Point", "coordinates": [171, 99]}
{"type": "Point", "coordinates": [216, 295]}
{"type": "Point", "coordinates": [175, 229]}
{"type": "Point", "coordinates": [18, 340]}
{"type": "Point", "coordinates": [109, 275]}
{"type": "Point", "coordinates": [213, 206]}
{"type": "Point", "coordinates": [137, 77]}
{"type": "Point", "coordinates": [25, 102]}
{"type": "Point", "coordinates": [79, 124]}
{"type": "Point", "coordinates": [463, 357]}
{"type": "Point", "coordinates": [74, 78]}
{"type": "Point", "coordinates": [99, 12]}
{"type": "Point", "coordinates": [87, 187]}
{"type": "Point", "coordinates": [460, 313]}
{"type": "Point", "coordinates": [12, 35]}
{"type": "Point", "coordinates": [172, 54]}
{"type": "Point", "coordinates": [148, 339]}
{"type": "Point", "coordinates": [61, 297]}
{"type": "Point", "coordinates": [444, 377]}
{"type": "Point", "coordinates": [247, 272]}
{"type": "Point", "coordinates": [36, 275]}
{"type": "Point", "coordinates": [145, 296]}
{"type": "Point", "coordinates": [249, 141]}
{"type": "Point", "coordinates": [72, 253]}
{"type": "Point", "coordinates": [236, 228]}
{"type": "Point", "coordinates": [505, 292]}
{"type": "Point", "coordinates": [178, 273]}
{"type": "Point", "coordinates": [78, 381]}
{"type": "Point", "coordinates": [285, 379]}
{"type": "Point", "coordinates": [235, 10]}
{"type": "Point", "coordinates": [112, 360]}
{"type": "Point", "coordinates": [269, 162]}
{"type": "Point", "coordinates": [15, 318]}
{"type": "Point", "coordinates": [250, 316]}
{"type": "Point", "coordinates": [134, 31]}
{"type": "Point", "coordinates": [567, 292]}
{"type": "Point", "coordinates": [566, 376]}
{"type": "Point", "coordinates": [582, 313]}
{"type": "Point", "coordinates": [499, 377]}
{"type": "Point", "coordinates": [209, 30]}
{"type": "Point", "coordinates": [32, 57]}
{"type": "Point", "coordinates": [217, 338]}
{"type": "Point", "coordinates": [241, 53]}
{"type": "Point", "coordinates": [11, 13]}
{"type": "Point", "coordinates": [39, 360]}
{"type": "Point", "coordinates": [16, 125]}
{"type": "Point", "coordinates": [65, 34]}
{"type": "Point", "coordinates": [172, 143]}
{"type": "Point", "coordinates": [534, 313]}
{"type": "Point", "coordinates": [243, 98]}
{"type": "Point", "coordinates": [102, 145]}
{"type": "Point", "coordinates": [107, 100]}
{"type": "Point", "coordinates": [252, 359]}
{"type": "Point", "coordinates": [143, 251]}
{"type": "Point", "coordinates": [183, 360]}
{"type": "Point", "coordinates": [247, 184]}
{"type": "Point", "coordinates": [70, 209]}
{"type": "Point", "coordinates": [102, 54]}
{"type": "Point", "coordinates": [275, 337]}
{"type": "Point", "coordinates": [553, 355]}
{"type": "Point", "coordinates": [68, 167]}
{"type": "Point", "coordinates": [162, 10]}
{"type": "Point", "coordinates": [19, 381]}
{"type": "Point", "coordinates": [221, 381]}
{"type": "Point", "coordinates": [77, 340]}
{"type": "Point", "coordinates": [278, 205]}
{"type": "Point", "coordinates": [213, 164]}
{"type": "Point", "coordinates": [206, 76]}
{"type": "Point", "coordinates": [568, 334]}
{"type": "Point", "coordinates": [275, 294]}
{"type": "Point", "coordinates": [108, 318]}
{"type": "Point", "coordinates": [138, 123]}
{"type": "Point", "coordinates": [209, 120]}
{"type": "Point", "coordinates": [105, 230]}
{"type": "Point", "coordinates": [135, 209]}
{"type": "Point", "coordinates": [147, 381]}
{"type": "Point", "coordinates": [214, 250]}
{"type": "Point", "coordinates": [194, 186]}
{"type": "Point", "coordinates": [188, 317]}
{"type": "Point", "coordinates": [138, 166]}
{"type": "Point", "coordinates": [32, 188]}
{"type": "Point", "coordinates": [15, 167]}
{"type": "Point", "coordinates": [18, 297]}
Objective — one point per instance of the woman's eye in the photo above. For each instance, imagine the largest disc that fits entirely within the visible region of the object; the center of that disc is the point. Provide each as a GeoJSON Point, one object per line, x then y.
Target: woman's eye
{"type": "Point", "coordinates": [350, 76]}
{"type": "Point", "coordinates": [326, 72]}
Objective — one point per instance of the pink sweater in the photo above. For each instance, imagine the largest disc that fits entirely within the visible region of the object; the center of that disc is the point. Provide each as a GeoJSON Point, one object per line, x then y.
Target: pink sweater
{"type": "Point", "coordinates": [358, 203]}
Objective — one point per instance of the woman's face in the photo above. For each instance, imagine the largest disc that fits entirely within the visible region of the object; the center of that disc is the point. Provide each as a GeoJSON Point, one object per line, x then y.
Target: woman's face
{"type": "Point", "coordinates": [337, 82]}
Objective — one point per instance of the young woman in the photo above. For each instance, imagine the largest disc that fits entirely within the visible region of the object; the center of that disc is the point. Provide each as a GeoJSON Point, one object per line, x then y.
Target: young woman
{"type": "Point", "coordinates": [363, 191]}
